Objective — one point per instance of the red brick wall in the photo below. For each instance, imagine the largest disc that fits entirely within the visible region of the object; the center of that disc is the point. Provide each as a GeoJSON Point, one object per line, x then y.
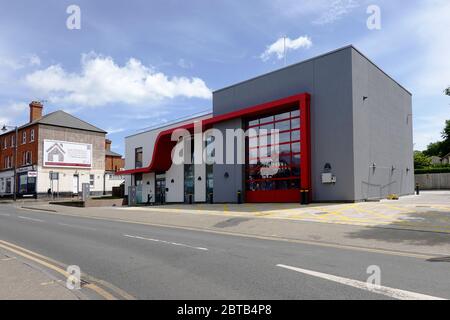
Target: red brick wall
{"type": "Point", "coordinates": [22, 148]}
{"type": "Point", "coordinates": [114, 163]}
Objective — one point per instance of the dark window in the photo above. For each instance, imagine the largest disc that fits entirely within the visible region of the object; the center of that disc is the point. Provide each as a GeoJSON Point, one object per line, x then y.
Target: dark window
{"type": "Point", "coordinates": [138, 157]}
{"type": "Point", "coordinates": [138, 179]}
{"type": "Point", "coordinates": [264, 172]}
{"type": "Point", "coordinates": [189, 179]}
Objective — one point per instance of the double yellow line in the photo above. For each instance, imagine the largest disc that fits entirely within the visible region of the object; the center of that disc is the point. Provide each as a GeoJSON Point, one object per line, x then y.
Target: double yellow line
{"type": "Point", "coordinates": [112, 292]}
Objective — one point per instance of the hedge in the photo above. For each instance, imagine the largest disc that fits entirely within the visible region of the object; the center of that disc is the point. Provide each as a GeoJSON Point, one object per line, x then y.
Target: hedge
{"type": "Point", "coordinates": [432, 170]}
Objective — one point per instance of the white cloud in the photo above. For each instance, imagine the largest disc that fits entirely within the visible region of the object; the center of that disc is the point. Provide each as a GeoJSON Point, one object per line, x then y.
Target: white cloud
{"type": "Point", "coordinates": [335, 10]}
{"type": "Point", "coordinates": [15, 110]}
{"type": "Point", "coordinates": [102, 81]}
{"type": "Point", "coordinates": [30, 60]}
{"type": "Point", "coordinates": [277, 48]}
{"type": "Point", "coordinates": [115, 130]}
{"type": "Point", "coordinates": [182, 63]}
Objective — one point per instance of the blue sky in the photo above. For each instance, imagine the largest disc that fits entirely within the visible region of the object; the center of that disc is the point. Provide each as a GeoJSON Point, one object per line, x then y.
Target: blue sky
{"type": "Point", "coordinates": [135, 64]}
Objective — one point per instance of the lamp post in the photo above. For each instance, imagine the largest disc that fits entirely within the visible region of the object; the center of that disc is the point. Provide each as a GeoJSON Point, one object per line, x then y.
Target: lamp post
{"type": "Point", "coordinates": [16, 143]}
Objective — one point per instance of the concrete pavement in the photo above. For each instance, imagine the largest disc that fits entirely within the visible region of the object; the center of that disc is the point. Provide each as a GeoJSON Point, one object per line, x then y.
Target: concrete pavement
{"type": "Point", "coordinates": [153, 262]}
{"type": "Point", "coordinates": [23, 281]}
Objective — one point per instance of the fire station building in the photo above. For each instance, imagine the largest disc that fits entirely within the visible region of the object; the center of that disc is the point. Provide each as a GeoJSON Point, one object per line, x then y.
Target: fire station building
{"type": "Point", "coordinates": [345, 134]}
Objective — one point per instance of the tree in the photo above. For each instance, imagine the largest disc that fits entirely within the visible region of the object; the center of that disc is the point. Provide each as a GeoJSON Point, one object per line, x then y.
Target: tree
{"type": "Point", "coordinates": [447, 91]}
{"type": "Point", "coordinates": [433, 149]}
{"type": "Point", "coordinates": [440, 148]}
{"type": "Point", "coordinates": [445, 145]}
{"type": "Point", "coordinates": [421, 160]}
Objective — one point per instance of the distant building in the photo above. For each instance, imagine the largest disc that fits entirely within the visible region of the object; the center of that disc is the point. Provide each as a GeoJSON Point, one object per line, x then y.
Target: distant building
{"type": "Point", "coordinates": [436, 160]}
{"type": "Point", "coordinates": [446, 159]}
{"type": "Point", "coordinates": [57, 152]}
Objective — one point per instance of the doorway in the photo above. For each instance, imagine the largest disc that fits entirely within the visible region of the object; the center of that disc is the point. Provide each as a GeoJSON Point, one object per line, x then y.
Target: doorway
{"type": "Point", "coordinates": [160, 189]}
{"type": "Point", "coordinates": [75, 184]}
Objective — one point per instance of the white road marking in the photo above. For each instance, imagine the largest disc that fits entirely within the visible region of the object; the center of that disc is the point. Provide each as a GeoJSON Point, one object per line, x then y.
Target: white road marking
{"type": "Point", "coordinates": [76, 226]}
{"type": "Point", "coordinates": [166, 242]}
{"type": "Point", "coordinates": [390, 292]}
{"type": "Point", "coordinates": [31, 219]}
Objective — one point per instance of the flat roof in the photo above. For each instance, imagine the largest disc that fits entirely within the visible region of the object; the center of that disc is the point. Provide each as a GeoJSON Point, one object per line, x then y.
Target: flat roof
{"type": "Point", "coordinates": [311, 59]}
{"type": "Point", "coordinates": [171, 123]}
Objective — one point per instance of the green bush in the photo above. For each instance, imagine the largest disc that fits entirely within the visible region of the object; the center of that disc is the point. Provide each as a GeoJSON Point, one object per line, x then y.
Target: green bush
{"type": "Point", "coordinates": [437, 169]}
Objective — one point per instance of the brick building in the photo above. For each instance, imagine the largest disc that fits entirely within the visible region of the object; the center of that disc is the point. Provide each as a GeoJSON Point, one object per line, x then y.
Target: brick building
{"type": "Point", "coordinates": [56, 152]}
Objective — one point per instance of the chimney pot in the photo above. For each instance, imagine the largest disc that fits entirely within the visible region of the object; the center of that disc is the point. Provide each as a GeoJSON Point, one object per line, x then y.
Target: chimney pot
{"type": "Point", "coordinates": [108, 144]}
{"type": "Point", "coordinates": [35, 111]}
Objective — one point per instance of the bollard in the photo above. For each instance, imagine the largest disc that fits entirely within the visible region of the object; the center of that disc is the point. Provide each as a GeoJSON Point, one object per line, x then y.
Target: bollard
{"type": "Point", "coordinates": [211, 198]}
{"type": "Point", "coordinates": [417, 189]}
{"type": "Point", "coordinates": [306, 197]}
{"type": "Point", "coordinates": [239, 198]}
{"type": "Point", "coordinates": [190, 199]}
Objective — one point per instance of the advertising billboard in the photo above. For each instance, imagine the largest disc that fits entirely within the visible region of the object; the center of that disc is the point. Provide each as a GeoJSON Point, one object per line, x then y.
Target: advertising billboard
{"type": "Point", "coordinates": [65, 154]}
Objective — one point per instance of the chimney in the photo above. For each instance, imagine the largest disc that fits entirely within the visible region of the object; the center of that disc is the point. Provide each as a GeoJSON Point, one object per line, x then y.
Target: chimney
{"type": "Point", "coordinates": [35, 111]}
{"type": "Point", "coordinates": [108, 144]}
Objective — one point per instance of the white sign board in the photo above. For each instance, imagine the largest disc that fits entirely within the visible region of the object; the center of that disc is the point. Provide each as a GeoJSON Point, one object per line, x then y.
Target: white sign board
{"type": "Point", "coordinates": [65, 154]}
{"type": "Point", "coordinates": [32, 174]}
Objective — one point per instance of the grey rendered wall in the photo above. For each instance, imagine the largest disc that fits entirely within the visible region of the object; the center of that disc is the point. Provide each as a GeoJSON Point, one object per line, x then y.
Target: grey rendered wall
{"type": "Point", "coordinates": [225, 189]}
{"type": "Point", "coordinates": [382, 133]}
{"type": "Point", "coordinates": [433, 181]}
{"type": "Point", "coordinates": [329, 80]}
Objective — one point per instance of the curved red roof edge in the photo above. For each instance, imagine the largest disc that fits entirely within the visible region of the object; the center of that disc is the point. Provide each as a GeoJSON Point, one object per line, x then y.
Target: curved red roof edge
{"type": "Point", "coordinates": [162, 152]}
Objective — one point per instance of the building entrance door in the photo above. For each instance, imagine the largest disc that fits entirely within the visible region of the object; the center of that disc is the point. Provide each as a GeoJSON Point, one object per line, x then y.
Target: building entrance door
{"type": "Point", "coordinates": [75, 184]}
{"type": "Point", "coordinates": [160, 190]}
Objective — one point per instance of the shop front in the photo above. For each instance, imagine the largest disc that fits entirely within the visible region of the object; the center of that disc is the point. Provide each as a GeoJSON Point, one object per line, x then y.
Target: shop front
{"type": "Point", "coordinates": [26, 178]}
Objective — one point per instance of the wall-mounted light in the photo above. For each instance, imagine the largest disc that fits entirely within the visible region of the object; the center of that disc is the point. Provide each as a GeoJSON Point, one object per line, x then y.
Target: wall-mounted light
{"type": "Point", "coordinates": [374, 166]}
{"type": "Point", "coordinates": [199, 178]}
{"type": "Point", "coordinates": [408, 170]}
{"type": "Point", "coordinates": [172, 181]}
{"type": "Point", "coordinates": [226, 175]}
{"type": "Point", "coordinates": [365, 98]}
{"type": "Point", "coordinates": [393, 168]}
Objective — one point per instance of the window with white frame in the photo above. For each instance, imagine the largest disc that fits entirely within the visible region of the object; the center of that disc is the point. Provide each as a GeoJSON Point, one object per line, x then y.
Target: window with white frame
{"type": "Point", "coordinates": [32, 135]}
{"type": "Point", "coordinates": [13, 141]}
{"type": "Point", "coordinates": [92, 180]}
{"type": "Point", "coordinates": [24, 137]}
{"type": "Point", "coordinates": [27, 158]}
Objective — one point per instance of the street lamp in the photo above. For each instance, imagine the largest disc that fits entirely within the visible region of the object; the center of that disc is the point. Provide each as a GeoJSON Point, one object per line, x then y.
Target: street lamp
{"type": "Point", "coordinates": [16, 143]}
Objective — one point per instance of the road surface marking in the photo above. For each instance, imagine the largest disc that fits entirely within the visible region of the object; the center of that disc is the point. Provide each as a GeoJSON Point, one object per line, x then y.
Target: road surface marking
{"type": "Point", "coordinates": [390, 292]}
{"type": "Point", "coordinates": [33, 256]}
{"type": "Point", "coordinates": [260, 237]}
{"type": "Point", "coordinates": [51, 282]}
{"type": "Point", "coordinates": [166, 242]}
{"type": "Point", "coordinates": [31, 219]}
{"type": "Point", "coordinates": [75, 226]}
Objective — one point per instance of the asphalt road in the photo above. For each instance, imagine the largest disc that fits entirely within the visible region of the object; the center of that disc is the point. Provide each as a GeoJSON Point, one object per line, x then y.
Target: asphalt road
{"type": "Point", "coordinates": [168, 263]}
